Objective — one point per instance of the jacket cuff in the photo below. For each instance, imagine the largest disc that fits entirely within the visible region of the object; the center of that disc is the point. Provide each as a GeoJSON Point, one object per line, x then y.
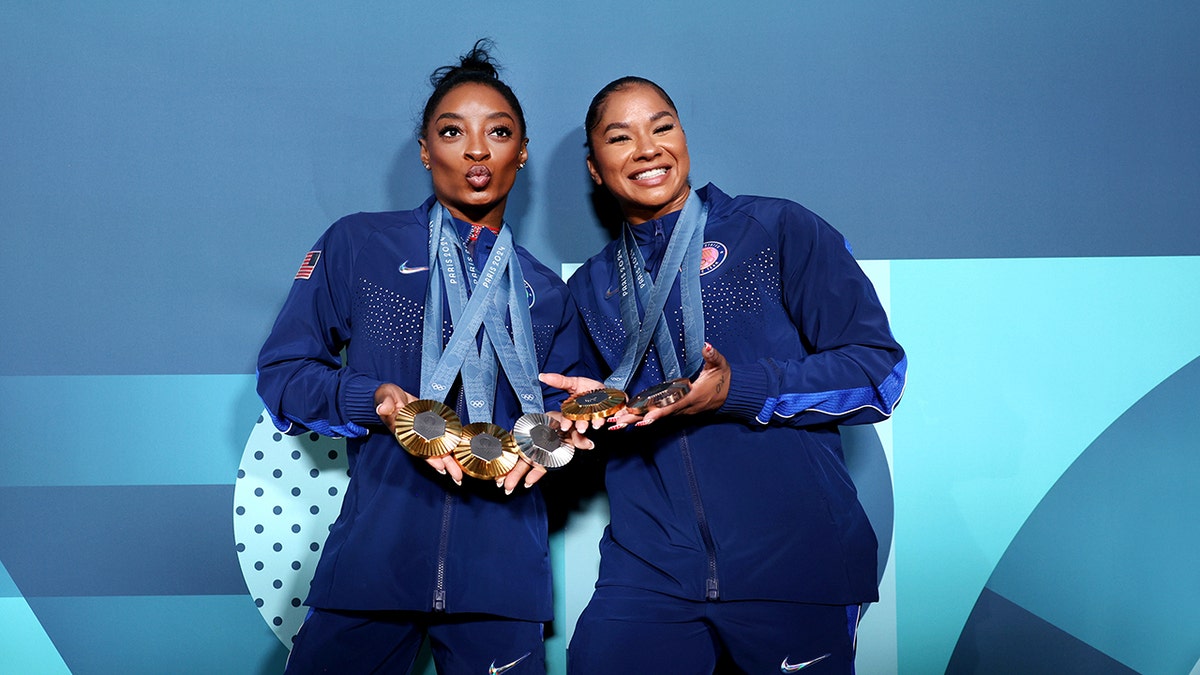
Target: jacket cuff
{"type": "Point", "coordinates": [749, 388]}
{"type": "Point", "coordinates": [358, 400]}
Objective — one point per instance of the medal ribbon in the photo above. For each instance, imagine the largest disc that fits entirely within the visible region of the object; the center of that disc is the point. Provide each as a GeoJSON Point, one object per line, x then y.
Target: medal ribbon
{"type": "Point", "coordinates": [516, 351]}
{"type": "Point", "coordinates": [469, 311]}
{"type": "Point", "coordinates": [681, 260]}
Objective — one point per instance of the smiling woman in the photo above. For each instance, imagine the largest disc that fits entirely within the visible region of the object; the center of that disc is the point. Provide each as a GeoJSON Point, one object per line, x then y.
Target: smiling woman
{"type": "Point", "coordinates": [737, 542]}
{"type": "Point", "coordinates": [434, 310]}
{"type": "Point", "coordinates": [637, 149]}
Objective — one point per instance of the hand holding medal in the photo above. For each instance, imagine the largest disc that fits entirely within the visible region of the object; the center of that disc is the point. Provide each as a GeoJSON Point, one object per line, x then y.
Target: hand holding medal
{"type": "Point", "coordinates": [707, 392]}
{"type": "Point", "coordinates": [540, 442]}
{"type": "Point", "coordinates": [427, 428]}
{"type": "Point", "coordinates": [659, 396]}
{"type": "Point", "coordinates": [594, 405]}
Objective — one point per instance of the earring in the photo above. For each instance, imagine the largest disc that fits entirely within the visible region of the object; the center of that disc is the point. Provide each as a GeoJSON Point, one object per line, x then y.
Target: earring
{"type": "Point", "coordinates": [427, 167]}
{"type": "Point", "coordinates": [521, 165]}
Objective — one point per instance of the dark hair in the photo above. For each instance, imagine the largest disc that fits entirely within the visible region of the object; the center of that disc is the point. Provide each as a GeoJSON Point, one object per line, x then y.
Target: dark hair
{"type": "Point", "coordinates": [593, 112]}
{"type": "Point", "coordinates": [476, 66]}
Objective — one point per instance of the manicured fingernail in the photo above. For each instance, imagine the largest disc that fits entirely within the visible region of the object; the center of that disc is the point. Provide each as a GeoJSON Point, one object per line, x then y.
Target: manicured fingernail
{"type": "Point", "coordinates": [615, 427]}
{"type": "Point", "coordinates": [442, 471]}
{"type": "Point", "coordinates": [508, 492]}
{"type": "Point", "coordinates": [528, 485]}
{"type": "Point", "coordinates": [458, 482]}
{"type": "Point", "coordinates": [643, 423]}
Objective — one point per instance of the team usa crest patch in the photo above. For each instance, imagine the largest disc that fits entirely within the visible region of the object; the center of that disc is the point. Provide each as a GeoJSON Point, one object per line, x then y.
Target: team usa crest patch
{"type": "Point", "coordinates": [530, 294]}
{"type": "Point", "coordinates": [711, 256]}
{"type": "Point", "coordinates": [309, 265]}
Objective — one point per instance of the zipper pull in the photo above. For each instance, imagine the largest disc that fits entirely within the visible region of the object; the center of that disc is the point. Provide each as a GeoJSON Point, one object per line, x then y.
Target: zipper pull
{"type": "Point", "coordinates": [713, 592]}
{"type": "Point", "coordinates": [439, 601]}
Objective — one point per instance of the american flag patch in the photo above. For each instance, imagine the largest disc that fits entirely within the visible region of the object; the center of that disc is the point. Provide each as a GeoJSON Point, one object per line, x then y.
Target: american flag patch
{"type": "Point", "coordinates": [309, 265]}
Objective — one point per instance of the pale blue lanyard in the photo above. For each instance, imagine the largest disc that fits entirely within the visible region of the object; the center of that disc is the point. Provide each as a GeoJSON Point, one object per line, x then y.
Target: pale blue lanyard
{"type": "Point", "coordinates": [469, 311]}
{"type": "Point", "coordinates": [681, 260]}
{"type": "Point", "coordinates": [516, 352]}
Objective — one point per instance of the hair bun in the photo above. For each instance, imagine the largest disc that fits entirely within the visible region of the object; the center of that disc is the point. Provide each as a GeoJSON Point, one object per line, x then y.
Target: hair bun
{"type": "Point", "coordinates": [478, 60]}
{"type": "Point", "coordinates": [475, 67]}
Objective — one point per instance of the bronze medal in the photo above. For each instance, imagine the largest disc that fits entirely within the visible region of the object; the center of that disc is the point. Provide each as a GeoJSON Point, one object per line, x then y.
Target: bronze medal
{"type": "Point", "coordinates": [659, 396]}
{"type": "Point", "coordinates": [597, 404]}
{"type": "Point", "coordinates": [538, 440]}
{"type": "Point", "coordinates": [427, 428]}
{"type": "Point", "coordinates": [486, 451]}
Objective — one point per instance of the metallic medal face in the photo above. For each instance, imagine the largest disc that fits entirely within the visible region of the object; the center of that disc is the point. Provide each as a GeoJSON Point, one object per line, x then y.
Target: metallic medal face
{"type": "Point", "coordinates": [544, 438]}
{"type": "Point", "coordinates": [486, 447]}
{"type": "Point", "coordinates": [538, 439]}
{"type": "Point", "coordinates": [427, 428]}
{"type": "Point", "coordinates": [592, 398]}
{"type": "Point", "coordinates": [429, 425]}
{"type": "Point", "coordinates": [486, 451]}
{"type": "Point", "coordinates": [594, 405]}
{"type": "Point", "coordinates": [660, 395]}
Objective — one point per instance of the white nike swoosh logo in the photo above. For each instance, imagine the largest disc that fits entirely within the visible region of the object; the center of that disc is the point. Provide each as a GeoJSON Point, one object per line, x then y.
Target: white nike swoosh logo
{"type": "Point", "coordinates": [494, 670]}
{"type": "Point", "coordinates": [405, 269]}
{"type": "Point", "coordinates": [786, 667]}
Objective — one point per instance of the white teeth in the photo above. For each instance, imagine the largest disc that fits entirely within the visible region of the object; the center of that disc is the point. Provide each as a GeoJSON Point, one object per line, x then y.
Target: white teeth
{"type": "Point", "coordinates": [652, 173]}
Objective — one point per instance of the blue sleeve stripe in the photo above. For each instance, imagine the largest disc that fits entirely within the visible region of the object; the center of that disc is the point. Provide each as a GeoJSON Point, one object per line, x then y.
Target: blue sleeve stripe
{"type": "Point", "coordinates": [283, 425]}
{"type": "Point", "coordinates": [843, 401]}
{"type": "Point", "coordinates": [348, 430]}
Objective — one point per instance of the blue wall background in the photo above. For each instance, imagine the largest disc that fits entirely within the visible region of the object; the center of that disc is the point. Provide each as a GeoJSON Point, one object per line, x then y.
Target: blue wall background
{"type": "Point", "coordinates": [1025, 175]}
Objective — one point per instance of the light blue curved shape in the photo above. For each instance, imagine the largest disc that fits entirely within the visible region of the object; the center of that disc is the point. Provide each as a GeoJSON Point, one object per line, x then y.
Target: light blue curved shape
{"type": "Point", "coordinates": [1017, 366]}
{"type": "Point", "coordinates": [1112, 553]}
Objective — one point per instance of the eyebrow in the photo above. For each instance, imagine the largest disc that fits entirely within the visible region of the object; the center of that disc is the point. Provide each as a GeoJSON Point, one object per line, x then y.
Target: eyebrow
{"type": "Point", "coordinates": [625, 125]}
{"type": "Point", "coordinates": [499, 114]}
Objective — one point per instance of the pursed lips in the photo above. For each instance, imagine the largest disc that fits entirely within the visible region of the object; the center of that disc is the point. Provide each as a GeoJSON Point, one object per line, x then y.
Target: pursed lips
{"type": "Point", "coordinates": [479, 176]}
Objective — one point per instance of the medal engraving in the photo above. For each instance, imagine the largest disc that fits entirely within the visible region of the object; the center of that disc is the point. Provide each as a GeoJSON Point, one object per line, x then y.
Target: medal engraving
{"type": "Point", "coordinates": [592, 398]}
{"type": "Point", "coordinates": [544, 438]}
{"type": "Point", "coordinates": [594, 405]}
{"type": "Point", "coordinates": [429, 425]}
{"type": "Point", "coordinates": [486, 447]}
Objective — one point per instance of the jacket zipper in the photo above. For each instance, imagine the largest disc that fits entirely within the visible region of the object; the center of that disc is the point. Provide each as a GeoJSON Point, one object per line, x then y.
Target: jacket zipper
{"type": "Point", "coordinates": [439, 590]}
{"type": "Point", "coordinates": [712, 587]}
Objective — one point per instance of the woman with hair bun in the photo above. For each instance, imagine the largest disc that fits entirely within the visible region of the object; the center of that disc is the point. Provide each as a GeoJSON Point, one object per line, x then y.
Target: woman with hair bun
{"type": "Point", "coordinates": [444, 324]}
{"type": "Point", "coordinates": [744, 333]}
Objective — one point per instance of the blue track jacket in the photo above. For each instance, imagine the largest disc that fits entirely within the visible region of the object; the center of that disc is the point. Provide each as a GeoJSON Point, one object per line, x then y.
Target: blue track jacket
{"type": "Point", "coordinates": [408, 538]}
{"type": "Point", "coordinates": [752, 501]}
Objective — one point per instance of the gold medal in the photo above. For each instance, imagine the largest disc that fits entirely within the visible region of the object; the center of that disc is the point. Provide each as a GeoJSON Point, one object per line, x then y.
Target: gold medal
{"type": "Point", "coordinates": [486, 451]}
{"type": "Point", "coordinates": [427, 428]}
{"type": "Point", "coordinates": [659, 396]}
{"type": "Point", "coordinates": [538, 440]}
{"type": "Point", "coordinates": [597, 404]}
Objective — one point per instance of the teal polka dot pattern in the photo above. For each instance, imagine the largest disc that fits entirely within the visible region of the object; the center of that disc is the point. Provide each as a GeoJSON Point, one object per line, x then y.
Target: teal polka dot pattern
{"type": "Point", "coordinates": [287, 494]}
